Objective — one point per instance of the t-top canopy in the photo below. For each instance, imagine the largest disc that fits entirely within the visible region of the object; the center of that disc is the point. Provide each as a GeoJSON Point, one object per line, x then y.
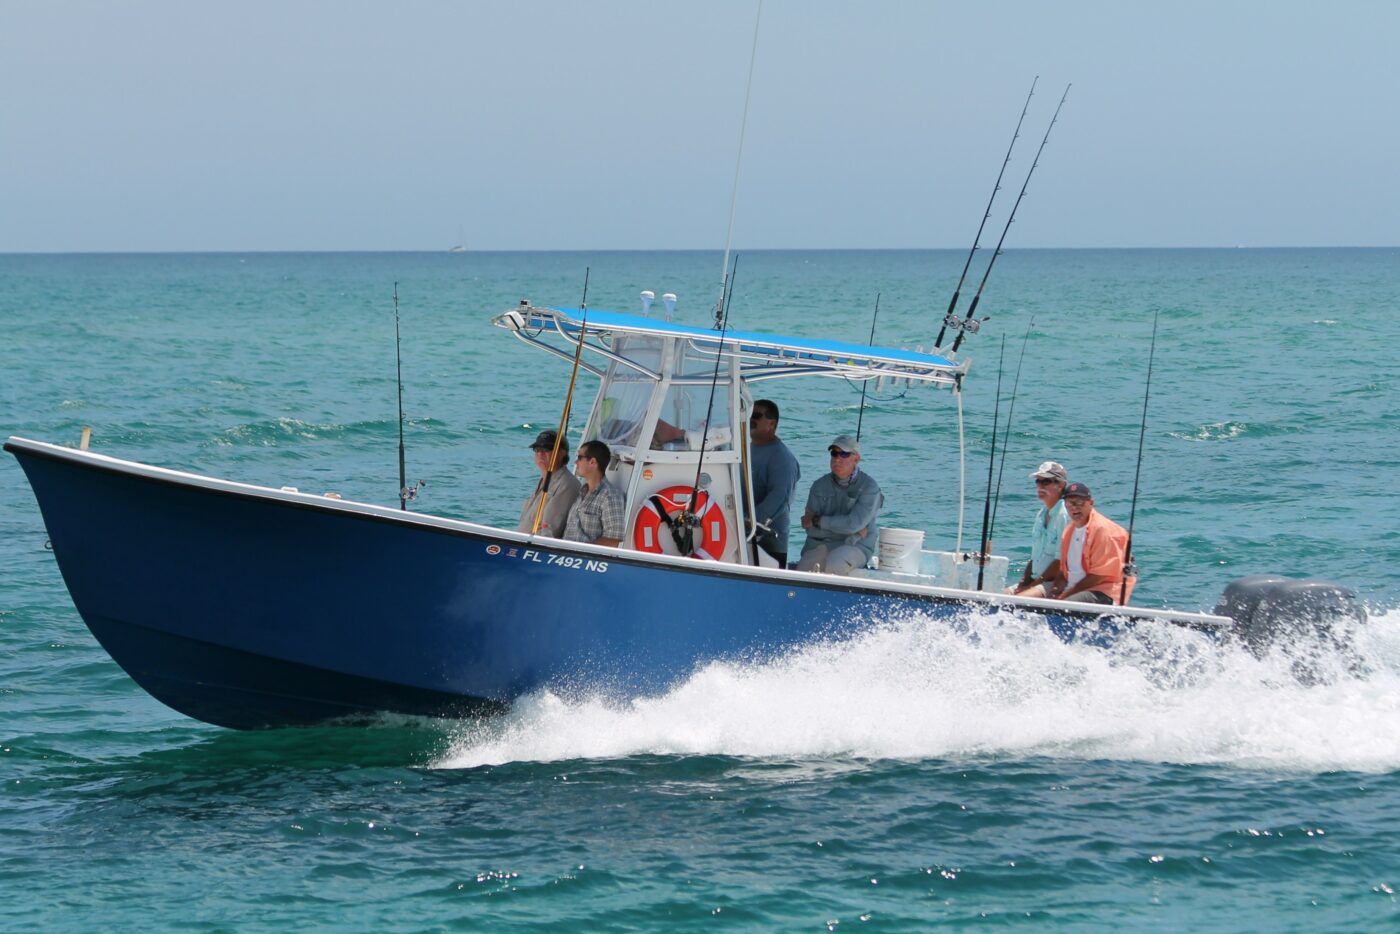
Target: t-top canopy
{"type": "Point", "coordinates": [760, 356]}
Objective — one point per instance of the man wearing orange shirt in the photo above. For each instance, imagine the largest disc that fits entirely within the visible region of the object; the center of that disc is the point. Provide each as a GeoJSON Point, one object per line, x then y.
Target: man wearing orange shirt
{"type": "Point", "coordinates": [1091, 553]}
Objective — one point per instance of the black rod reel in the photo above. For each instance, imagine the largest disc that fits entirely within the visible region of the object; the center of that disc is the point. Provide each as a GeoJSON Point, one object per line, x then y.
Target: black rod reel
{"type": "Point", "coordinates": [1130, 568]}
{"type": "Point", "coordinates": [406, 492]}
{"type": "Point", "coordinates": [866, 383]}
{"type": "Point", "coordinates": [683, 524]}
{"type": "Point", "coordinates": [950, 319]}
{"type": "Point", "coordinates": [1006, 432]}
{"type": "Point", "coordinates": [985, 555]}
{"type": "Point", "coordinates": [971, 325]}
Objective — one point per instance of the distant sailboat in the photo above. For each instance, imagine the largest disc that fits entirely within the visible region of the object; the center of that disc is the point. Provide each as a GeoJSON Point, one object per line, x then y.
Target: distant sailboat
{"type": "Point", "coordinates": [460, 246]}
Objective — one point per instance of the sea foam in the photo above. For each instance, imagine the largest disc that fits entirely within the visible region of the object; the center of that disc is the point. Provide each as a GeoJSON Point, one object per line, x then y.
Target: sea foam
{"type": "Point", "coordinates": [989, 686]}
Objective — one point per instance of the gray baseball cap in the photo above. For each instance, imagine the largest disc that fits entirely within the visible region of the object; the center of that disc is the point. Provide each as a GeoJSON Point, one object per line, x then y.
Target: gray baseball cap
{"type": "Point", "coordinates": [845, 443]}
{"type": "Point", "coordinates": [1050, 471]}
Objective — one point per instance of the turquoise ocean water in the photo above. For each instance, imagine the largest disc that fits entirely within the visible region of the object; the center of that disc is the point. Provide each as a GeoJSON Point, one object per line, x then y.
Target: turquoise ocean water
{"type": "Point", "coordinates": [911, 777]}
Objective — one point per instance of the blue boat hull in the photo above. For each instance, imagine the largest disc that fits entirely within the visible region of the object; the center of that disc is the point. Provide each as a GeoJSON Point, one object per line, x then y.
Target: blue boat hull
{"type": "Point", "coordinates": [246, 607]}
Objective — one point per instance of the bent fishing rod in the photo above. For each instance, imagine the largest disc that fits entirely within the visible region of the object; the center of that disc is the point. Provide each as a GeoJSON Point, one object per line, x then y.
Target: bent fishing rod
{"type": "Point", "coordinates": [1129, 568]}
{"type": "Point", "coordinates": [564, 416]}
{"type": "Point", "coordinates": [969, 324]}
{"type": "Point", "coordinates": [991, 462]}
{"type": "Point", "coordinates": [951, 317]}
{"type": "Point", "coordinates": [1006, 432]}
{"type": "Point", "coordinates": [866, 383]}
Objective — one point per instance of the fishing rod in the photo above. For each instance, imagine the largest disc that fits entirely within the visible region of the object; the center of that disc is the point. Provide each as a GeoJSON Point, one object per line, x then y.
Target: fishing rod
{"type": "Point", "coordinates": [1129, 568]}
{"type": "Point", "coordinates": [564, 416]}
{"type": "Point", "coordinates": [688, 516]}
{"type": "Point", "coordinates": [683, 524]}
{"type": "Point", "coordinates": [951, 317]}
{"type": "Point", "coordinates": [725, 288]}
{"type": "Point", "coordinates": [1006, 432]}
{"type": "Point", "coordinates": [404, 493]}
{"type": "Point", "coordinates": [991, 462]}
{"type": "Point", "coordinates": [866, 383]}
{"type": "Point", "coordinates": [969, 324]}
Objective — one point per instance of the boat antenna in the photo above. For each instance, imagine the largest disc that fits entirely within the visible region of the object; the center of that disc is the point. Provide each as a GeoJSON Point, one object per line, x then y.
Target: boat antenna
{"type": "Point", "coordinates": [969, 325]}
{"type": "Point", "coordinates": [991, 462]}
{"type": "Point", "coordinates": [725, 288]}
{"type": "Point", "coordinates": [1006, 432]}
{"type": "Point", "coordinates": [564, 416]}
{"type": "Point", "coordinates": [1129, 568]}
{"type": "Point", "coordinates": [951, 317]}
{"type": "Point", "coordinates": [866, 383]}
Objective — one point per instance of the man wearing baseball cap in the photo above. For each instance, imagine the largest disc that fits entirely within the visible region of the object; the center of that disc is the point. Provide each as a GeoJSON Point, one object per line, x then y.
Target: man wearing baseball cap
{"type": "Point", "coordinates": [556, 478]}
{"type": "Point", "coordinates": [1091, 553]}
{"type": "Point", "coordinates": [840, 515]}
{"type": "Point", "coordinates": [1046, 532]}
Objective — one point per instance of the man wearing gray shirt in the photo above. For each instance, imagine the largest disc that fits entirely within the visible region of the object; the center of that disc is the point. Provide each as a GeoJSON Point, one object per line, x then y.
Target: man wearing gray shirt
{"type": "Point", "coordinates": [775, 475]}
{"type": "Point", "coordinates": [563, 488]}
{"type": "Point", "coordinates": [841, 513]}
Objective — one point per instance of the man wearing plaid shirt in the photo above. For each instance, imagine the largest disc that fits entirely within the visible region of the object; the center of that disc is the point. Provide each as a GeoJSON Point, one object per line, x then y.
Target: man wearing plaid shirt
{"type": "Point", "coordinates": [598, 515]}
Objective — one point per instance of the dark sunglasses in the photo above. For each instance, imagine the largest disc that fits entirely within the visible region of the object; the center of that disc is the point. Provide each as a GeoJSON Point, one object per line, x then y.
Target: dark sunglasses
{"type": "Point", "coordinates": [758, 415]}
{"type": "Point", "coordinates": [841, 454]}
{"type": "Point", "coordinates": [1045, 481]}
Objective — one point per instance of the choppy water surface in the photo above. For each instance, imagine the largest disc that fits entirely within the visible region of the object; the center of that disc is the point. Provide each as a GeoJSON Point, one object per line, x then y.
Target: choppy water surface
{"type": "Point", "coordinates": [916, 774]}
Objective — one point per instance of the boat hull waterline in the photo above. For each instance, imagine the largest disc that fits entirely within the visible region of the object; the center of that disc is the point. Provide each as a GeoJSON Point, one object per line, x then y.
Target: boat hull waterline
{"type": "Point", "coordinates": [250, 607]}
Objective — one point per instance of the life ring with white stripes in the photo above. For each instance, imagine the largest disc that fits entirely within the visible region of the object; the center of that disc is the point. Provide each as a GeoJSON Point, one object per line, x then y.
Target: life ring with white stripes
{"type": "Point", "coordinates": [711, 531]}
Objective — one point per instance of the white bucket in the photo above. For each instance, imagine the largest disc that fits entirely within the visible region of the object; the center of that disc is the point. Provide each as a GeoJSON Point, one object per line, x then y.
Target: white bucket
{"type": "Point", "coordinates": [900, 549]}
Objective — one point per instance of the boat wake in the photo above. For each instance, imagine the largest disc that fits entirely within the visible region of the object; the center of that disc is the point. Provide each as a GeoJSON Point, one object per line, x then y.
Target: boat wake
{"type": "Point", "coordinates": [992, 686]}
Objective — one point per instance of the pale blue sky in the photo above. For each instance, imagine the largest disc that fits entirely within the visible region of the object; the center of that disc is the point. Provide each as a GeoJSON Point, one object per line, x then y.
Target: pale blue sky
{"type": "Point", "coordinates": [176, 125]}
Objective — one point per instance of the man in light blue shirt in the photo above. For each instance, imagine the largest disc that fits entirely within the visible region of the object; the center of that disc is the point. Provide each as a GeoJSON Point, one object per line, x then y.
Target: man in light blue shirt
{"type": "Point", "coordinates": [1046, 532]}
{"type": "Point", "coordinates": [842, 509]}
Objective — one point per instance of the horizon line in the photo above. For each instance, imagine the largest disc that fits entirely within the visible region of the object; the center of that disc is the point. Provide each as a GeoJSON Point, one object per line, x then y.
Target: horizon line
{"type": "Point", "coordinates": [900, 249]}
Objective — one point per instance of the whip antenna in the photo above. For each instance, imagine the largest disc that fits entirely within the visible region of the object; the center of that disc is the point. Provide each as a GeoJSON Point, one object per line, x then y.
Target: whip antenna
{"type": "Point", "coordinates": [968, 324]}
{"type": "Point", "coordinates": [724, 286]}
{"type": "Point", "coordinates": [1129, 568]}
{"type": "Point", "coordinates": [950, 317]}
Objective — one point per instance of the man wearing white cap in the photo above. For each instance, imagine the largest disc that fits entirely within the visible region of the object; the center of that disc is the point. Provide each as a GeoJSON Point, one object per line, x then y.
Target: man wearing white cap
{"type": "Point", "coordinates": [1046, 532]}
{"type": "Point", "coordinates": [840, 515]}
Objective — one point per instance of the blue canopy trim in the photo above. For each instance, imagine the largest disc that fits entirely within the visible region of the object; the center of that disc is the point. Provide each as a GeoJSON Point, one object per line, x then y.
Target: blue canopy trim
{"type": "Point", "coordinates": [761, 356]}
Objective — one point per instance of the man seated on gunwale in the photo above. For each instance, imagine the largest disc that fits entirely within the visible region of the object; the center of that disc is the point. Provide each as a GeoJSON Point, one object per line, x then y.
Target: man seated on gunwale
{"type": "Point", "coordinates": [599, 514]}
{"type": "Point", "coordinates": [1047, 531]}
{"type": "Point", "coordinates": [563, 488]}
{"type": "Point", "coordinates": [1091, 553]}
{"type": "Point", "coordinates": [842, 508]}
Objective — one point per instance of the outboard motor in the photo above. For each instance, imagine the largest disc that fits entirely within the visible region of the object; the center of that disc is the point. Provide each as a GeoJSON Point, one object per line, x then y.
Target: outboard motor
{"type": "Point", "coordinates": [1304, 618]}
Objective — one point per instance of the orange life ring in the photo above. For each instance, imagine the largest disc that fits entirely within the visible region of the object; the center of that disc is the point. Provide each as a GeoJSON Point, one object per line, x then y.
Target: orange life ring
{"type": "Point", "coordinates": [712, 533]}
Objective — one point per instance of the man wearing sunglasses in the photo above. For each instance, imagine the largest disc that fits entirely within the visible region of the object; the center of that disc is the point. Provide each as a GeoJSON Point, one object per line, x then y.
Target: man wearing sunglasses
{"type": "Point", "coordinates": [841, 512]}
{"type": "Point", "coordinates": [1047, 530]}
{"type": "Point", "coordinates": [775, 475]}
{"type": "Point", "coordinates": [600, 512]}
{"type": "Point", "coordinates": [563, 488]}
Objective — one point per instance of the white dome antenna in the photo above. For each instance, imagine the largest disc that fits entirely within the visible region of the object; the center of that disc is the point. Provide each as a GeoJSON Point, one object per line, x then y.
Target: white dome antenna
{"type": "Point", "coordinates": [648, 296]}
{"type": "Point", "coordinates": [669, 300]}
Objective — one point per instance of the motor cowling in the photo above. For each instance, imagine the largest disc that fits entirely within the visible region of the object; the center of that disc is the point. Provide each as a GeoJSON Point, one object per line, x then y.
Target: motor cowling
{"type": "Point", "coordinates": [1305, 618]}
